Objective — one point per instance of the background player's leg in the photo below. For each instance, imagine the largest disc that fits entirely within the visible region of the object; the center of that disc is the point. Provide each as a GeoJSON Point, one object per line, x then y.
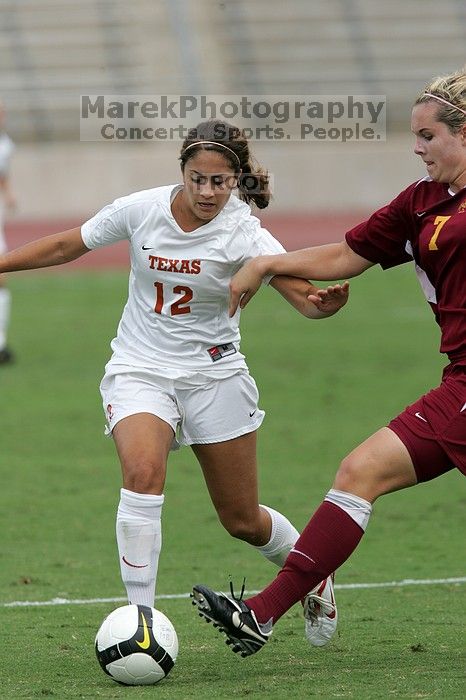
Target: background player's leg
{"type": "Point", "coordinates": [5, 305]}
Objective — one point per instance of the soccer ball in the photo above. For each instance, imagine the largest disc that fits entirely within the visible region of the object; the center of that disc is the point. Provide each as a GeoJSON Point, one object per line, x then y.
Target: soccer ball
{"type": "Point", "coordinates": [136, 645]}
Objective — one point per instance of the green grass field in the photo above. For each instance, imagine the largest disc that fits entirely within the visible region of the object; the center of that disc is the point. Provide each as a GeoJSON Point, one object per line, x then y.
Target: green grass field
{"type": "Point", "coordinates": [325, 386]}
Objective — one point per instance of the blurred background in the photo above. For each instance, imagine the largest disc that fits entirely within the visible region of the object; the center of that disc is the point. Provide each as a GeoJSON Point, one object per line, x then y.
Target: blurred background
{"type": "Point", "coordinates": [52, 51]}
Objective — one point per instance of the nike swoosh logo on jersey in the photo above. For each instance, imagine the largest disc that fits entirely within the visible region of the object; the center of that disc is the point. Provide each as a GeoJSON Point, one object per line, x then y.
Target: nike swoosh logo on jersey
{"type": "Point", "coordinates": [420, 213]}
{"type": "Point", "coordinates": [463, 408]}
{"type": "Point", "coordinates": [145, 247]}
{"type": "Point", "coordinates": [418, 415]}
{"type": "Point", "coordinates": [251, 414]}
{"type": "Point", "coordinates": [145, 644]}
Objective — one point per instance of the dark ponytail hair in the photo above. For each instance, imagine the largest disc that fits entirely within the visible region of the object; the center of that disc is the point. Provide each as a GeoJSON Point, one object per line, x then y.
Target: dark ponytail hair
{"type": "Point", "coordinates": [231, 142]}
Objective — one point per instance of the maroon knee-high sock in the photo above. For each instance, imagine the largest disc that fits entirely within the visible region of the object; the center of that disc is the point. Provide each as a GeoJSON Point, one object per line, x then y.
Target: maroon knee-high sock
{"type": "Point", "coordinates": [325, 543]}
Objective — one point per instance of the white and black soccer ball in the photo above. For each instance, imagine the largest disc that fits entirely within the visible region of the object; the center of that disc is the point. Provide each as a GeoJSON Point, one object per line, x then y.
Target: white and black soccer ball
{"type": "Point", "coordinates": [136, 645]}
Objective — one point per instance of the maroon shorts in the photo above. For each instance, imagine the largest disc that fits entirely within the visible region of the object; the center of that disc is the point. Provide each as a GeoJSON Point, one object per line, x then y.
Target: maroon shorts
{"type": "Point", "coordinates": [433, 429]}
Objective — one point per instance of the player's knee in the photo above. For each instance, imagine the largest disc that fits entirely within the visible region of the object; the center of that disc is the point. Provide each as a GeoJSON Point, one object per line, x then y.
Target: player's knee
{"type": "Point", "coordinates": [240, 527]}
{"type": "Point", "coordinates": [361, 475]}
{"type": "Point", "coordinates": [350, 474]}
{"type": "Point", "coordinates": [143, 477]}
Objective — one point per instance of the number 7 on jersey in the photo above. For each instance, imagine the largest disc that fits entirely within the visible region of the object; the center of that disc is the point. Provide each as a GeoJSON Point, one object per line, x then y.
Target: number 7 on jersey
{"type": "Point", "coordinates": [439, 223]}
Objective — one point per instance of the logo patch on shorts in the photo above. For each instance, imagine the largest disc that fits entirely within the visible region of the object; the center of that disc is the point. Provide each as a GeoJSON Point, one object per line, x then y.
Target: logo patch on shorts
{"type": "Point", "coordinates": [220, 351]}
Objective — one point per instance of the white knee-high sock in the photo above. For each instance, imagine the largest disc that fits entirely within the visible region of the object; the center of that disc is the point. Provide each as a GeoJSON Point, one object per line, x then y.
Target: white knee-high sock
{"type": "Point", "coordinates": [282, 538]}
{"type": "Point", "coordinates": [139, 538]}
{"type": "Point", "coordinates": [5, 304]}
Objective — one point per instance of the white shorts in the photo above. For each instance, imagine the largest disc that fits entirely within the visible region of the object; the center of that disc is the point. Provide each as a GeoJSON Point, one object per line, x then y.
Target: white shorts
{"type": "Point", "coordinates": [199, 413]}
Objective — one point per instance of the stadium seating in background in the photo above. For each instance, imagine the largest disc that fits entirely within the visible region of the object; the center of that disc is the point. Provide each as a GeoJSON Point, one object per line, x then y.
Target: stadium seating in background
{"type": "Point", "coordinates": [53, 50]}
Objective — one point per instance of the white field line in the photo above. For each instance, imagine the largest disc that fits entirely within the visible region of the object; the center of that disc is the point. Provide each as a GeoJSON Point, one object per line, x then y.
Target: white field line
{"type": "Point", "coordinates": [174, 596]}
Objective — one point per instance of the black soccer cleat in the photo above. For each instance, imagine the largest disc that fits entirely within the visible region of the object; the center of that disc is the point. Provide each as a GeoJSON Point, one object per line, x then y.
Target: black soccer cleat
{"type": "Point", "coordinates": [6, 356]}
{"type": "Point", "coordinates": [232, 617]}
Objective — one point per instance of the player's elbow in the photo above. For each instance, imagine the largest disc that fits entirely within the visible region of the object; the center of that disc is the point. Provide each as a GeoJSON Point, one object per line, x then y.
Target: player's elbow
{"type": "Point", "coordinates": [69, 246]}
{"type": "Point", "coordinates": [310, 311]}
{"type": "Point", "coordinates": [314, 313]}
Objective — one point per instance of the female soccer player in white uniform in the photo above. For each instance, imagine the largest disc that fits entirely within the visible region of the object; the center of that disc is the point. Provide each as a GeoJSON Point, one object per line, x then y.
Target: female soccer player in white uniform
{"type": "Point", "coordinates": [177, 375]}
{"type": "Point", "coordinates": [7, 201]}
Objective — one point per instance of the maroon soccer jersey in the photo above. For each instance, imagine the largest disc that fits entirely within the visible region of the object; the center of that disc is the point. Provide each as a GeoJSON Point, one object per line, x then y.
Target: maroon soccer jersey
{"type": "Point", "coordinates": [428, 224]}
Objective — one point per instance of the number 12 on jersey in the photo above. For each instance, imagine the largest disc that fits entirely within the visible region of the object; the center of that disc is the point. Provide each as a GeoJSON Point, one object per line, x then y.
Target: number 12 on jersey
{"type": "Point", "coordinates": [180, 305]}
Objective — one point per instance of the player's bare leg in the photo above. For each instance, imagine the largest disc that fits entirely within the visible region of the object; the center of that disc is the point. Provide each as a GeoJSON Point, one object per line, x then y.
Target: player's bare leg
{"type": "Point", "coordinates": [231, 468]}
{"type": "Point", "coordinates": [230, 473]}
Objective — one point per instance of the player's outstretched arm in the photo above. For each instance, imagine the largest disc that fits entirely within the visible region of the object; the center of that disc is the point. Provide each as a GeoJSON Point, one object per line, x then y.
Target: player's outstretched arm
{"type": "Point", "coordinates": [327, 262]}
{"type": "Point", "coordinates": [51, 250]}
{"type": "Point", "coordinates": [309, 300]}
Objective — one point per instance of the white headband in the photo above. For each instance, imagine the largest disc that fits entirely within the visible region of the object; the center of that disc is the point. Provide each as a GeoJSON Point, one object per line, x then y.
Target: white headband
{"type": "Point", "coordinates": [445, 102]}
{"type": "Point", "coordinates": [213, 143]}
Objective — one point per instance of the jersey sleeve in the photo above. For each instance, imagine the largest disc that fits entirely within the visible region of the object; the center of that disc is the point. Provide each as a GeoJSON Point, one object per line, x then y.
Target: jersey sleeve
{"type": "Point", "coordinates": [109, 225]}
{"type": "Point", "coordinates": [263, 243]}
{"type": "Point", "coordinates": [384, 236]}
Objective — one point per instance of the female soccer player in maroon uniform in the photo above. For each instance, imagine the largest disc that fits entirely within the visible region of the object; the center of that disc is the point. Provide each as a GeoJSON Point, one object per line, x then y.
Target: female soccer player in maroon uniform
{"type": "Point", "coordinates": [425, 223]}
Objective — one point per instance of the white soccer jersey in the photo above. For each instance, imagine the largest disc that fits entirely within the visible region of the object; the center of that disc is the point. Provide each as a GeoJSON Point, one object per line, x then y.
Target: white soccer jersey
{"type": "Point", "coordinates": [6, 149]}
{"type": "Point", "coordinates": [176, 317]}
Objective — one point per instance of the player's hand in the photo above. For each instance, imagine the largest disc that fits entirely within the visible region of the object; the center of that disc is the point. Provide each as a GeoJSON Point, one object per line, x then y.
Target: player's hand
{"type": "Point", "coordinates": [244, 284]}
{"type": "Point", "coordinates": [331, 299]}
